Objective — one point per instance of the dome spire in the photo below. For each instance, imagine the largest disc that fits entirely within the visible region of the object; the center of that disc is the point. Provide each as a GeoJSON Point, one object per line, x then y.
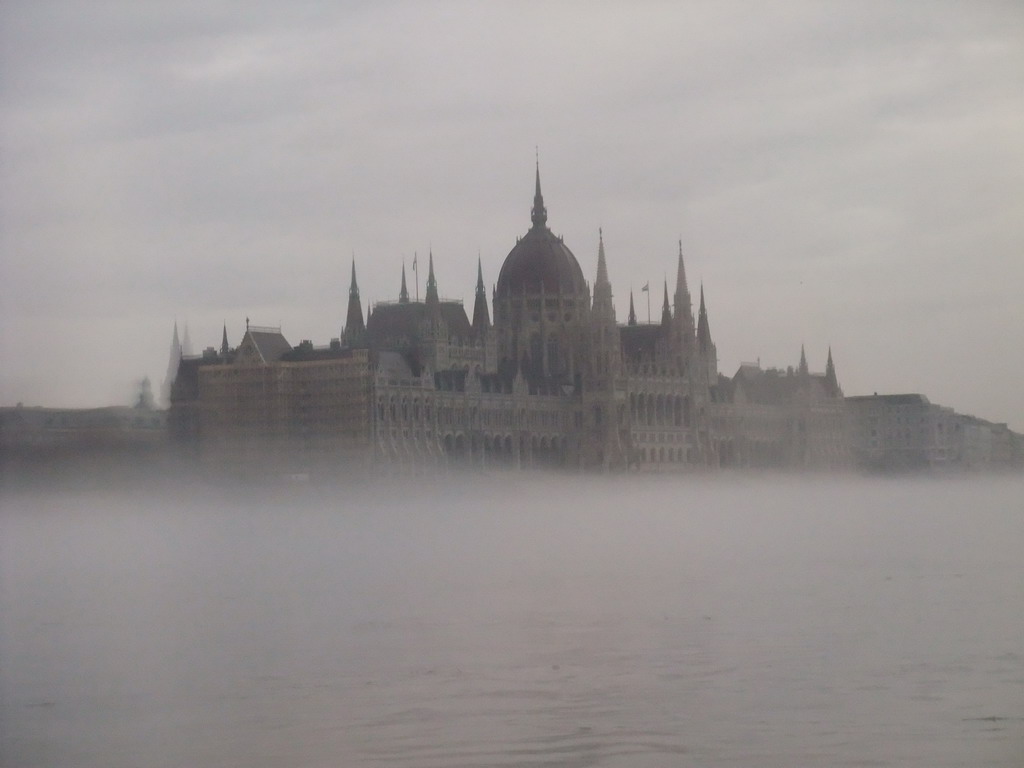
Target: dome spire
{"type": "Point", "coordinates": [539, 214]}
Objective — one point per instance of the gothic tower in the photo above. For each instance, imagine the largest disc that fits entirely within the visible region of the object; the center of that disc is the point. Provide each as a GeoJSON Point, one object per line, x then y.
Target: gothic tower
{"type": "Point", "coordinates": [355, 328]}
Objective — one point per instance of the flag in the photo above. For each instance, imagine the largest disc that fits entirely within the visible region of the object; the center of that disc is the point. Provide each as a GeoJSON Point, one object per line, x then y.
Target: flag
{"type": "Point", "coordinates": [646, 288]}
{"type": "Point", "coordinates": [414, 263]}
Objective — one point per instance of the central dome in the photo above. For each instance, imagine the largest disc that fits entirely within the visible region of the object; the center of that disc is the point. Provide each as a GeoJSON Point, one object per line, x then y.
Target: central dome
{"type": "Point", "coordinates": [540, 258]}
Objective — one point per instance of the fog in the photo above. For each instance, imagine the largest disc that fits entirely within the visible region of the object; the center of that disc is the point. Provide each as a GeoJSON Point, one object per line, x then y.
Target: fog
{"type": "Point", "coordinates": [515, 620]}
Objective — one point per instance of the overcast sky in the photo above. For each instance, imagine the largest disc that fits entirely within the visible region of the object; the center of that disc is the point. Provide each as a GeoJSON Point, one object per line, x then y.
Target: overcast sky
{"type": "Point", "coordinates": [839, 174]}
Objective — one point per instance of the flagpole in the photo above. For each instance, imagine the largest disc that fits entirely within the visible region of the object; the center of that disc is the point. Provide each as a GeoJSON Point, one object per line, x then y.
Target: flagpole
{"type": "Point", "coordinates": [416, 271]}
{"type": "Point", "coordinates": [648, 303]}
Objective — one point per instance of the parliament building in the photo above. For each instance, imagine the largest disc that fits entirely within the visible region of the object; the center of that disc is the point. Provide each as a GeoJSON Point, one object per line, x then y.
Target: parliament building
{"type": "Point", "coordinates": [543, 375]}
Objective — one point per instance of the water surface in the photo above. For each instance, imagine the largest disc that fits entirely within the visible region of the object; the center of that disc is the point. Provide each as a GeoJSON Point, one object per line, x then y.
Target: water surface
{"type": "Point", "coordinates": [516, 621]}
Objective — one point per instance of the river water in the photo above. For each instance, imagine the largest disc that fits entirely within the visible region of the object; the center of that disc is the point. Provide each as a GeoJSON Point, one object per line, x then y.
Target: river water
{"type": "Point", "coordinates": [516, 620]}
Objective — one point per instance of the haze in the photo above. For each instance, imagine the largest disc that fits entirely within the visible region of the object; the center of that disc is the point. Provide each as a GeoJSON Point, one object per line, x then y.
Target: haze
{"type": "Point", "coordinates": [840, 174]}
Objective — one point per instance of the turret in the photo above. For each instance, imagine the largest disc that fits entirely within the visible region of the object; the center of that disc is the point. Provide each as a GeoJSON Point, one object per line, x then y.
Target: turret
{"type": "Point", "coordinates": [481, 317]}
{"type": "Point", "coordinates": [683, 306]}
{"type": "Point", "coordinates": [354, 325]}
{"type": "Point", "coordinates": [172, 366]}
{"type": "Point", "coordinates": [831, 383]}
{"type": "Point", "coordinates": [706, 350]}
{"type": "Point", "coordinates": [704, 342]}
{"type": "Point", "coordinates": [666, 310]}
{"type": "Point", "coordinates": [602, 286]}
{"type": "Point", "coordinates": [433, 302]}
{"type": "Point", "coordinates": [403, 292]}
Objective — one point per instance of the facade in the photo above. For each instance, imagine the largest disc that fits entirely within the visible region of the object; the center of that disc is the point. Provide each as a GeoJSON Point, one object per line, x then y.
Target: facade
{"type": "Point", "coordinates": [267, 404]}
{"type": "Point", "coordinates": [542, 376]}
{"type": "Point", "coordinates": [900, 432]}
{"type": "Point", "coordinates": [553, 382]}
{"type": "Point", "coordinates": [781, 419]}
{"type": "Point", "coordinates": [53, 445]}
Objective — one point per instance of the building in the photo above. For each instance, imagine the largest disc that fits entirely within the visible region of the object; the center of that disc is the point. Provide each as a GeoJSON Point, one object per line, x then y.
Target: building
{"type": "Point", "coordinates": [906, 432]}
{"type": "Point", "coordinates": [267, 404]}
{"type": "Point", "coordinates": [781, 419]}
{"type": "Point", "coordinates": [553, 381]}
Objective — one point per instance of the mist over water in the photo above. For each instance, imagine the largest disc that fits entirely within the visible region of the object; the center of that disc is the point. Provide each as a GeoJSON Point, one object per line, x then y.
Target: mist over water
{"type": "Point", "coordinates": [519, 620]}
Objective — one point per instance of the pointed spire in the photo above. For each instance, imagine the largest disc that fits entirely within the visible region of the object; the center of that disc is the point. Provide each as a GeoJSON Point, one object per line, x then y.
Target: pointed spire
{"type": "Point", "coordinates": [632, 311]}
{"type": "Point", "coordinates": [539, 214]}
{"type": "Point", "coordinates": [831, 382]}
{"type": "Point", "coordinates": [173, 361]}
{"type": "Point", "coordinates": [224, 348]}
{"type": "Point", "coordinates": [703, 327]}
{"type": "Point", "coordinates": [803, 362]}
{"type": "Point", "coordinates": [684, 307]}
{"type": "Point", "coordinates": [481, 317]}
{"type": "Point", "coordinates": [666, 309]}
{"type": "Point", "coordinates": [432, 298]}
{"type": "Point", "coordinates": [354, 320]}
{"type": "Point", "coordinates": [403, 293]}
{"type": "Point", "coordinates": [602, 286]}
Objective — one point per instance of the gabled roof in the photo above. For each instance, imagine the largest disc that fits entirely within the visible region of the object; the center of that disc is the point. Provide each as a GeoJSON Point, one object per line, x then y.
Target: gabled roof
{"type": "Point", "coordinates": [271, 344]}
{"type": "Point", "coordinates": [267, 345]}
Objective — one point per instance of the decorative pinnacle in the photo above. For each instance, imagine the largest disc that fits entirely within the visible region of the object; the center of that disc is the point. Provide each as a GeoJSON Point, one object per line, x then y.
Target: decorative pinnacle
{"type": "Point", "coordinates": [539, 214]}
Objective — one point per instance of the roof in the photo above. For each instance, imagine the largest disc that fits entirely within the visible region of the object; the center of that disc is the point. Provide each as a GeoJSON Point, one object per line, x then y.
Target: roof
{"type": "Point", "coordinates": [771, 387]}
{"type": "Point", "coordinates": [186, 380]}
{"type": "Point", "coordinates": [307, 352]}
{"type": "Point", "coordinates": [640, 341]}
{"type": "Point", "coordinates": [270, 343]}
{"type": "Point", "coordinates": [904, 399]}
{"type": "Point", "coordinates": [540, 258]}
{"type": "Point", "coordinates": [389, 323]}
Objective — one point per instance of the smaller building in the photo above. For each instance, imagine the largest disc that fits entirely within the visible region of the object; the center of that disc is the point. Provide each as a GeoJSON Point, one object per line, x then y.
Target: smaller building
{"type": "Point", "coordinates": [269, 407]}
{"type": "Point", "coordinates": [52, 444]}
{"type": "Point", "coordinates": [908, 432]}
{"type": "Point", "coordinates": [772, 418]}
